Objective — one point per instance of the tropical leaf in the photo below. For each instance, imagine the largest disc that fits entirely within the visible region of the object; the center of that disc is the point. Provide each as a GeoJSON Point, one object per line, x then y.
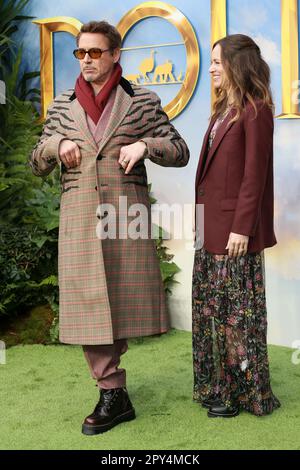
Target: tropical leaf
{"type": "Point", "coordinates": [11, 14]}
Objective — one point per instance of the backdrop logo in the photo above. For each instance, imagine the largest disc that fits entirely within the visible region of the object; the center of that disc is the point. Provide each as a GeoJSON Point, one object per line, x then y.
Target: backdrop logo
{"type": "Point", "coordinates": [163, 73]}
{"type": "Point", "coordinates": [149, 71]}
{"type": "Point", "coordinates": [218, 20]}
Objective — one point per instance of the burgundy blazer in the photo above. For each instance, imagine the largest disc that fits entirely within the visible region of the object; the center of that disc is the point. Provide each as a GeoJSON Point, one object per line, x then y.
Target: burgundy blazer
{"type": "Point", "coordinates": [234, 181]}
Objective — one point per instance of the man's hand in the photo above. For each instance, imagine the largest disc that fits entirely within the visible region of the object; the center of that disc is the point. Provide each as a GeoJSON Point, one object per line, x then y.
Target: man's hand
{"type": "Point", "coordinates": [130, 154]}
{"type": "Point", "coordinates": [69, 153]}
{"type": "Point", "coordinates": [237, 245]}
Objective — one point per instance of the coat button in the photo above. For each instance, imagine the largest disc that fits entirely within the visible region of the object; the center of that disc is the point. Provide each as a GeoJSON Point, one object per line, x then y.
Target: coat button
{"type": "Point", "coordinates": [99, 157]}
{"type": "Point", "coordinates": [200, 192]}
{"type": "Point", "coordinates": [96, 188]}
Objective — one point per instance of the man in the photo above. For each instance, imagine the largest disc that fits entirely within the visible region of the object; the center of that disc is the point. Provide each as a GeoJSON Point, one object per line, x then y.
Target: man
{"type": "Point", "coordinates": [110, 288]}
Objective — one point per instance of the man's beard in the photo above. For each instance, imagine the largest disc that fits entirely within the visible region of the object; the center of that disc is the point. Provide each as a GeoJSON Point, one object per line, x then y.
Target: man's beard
{"type": "Point", "coordinates": [89, 79]}
{"type": "Point", "coordinates": [92, 78]}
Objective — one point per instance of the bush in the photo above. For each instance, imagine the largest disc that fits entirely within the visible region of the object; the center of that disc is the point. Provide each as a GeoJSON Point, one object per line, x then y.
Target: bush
{"type": "Point", "coordinates": [23, 263]}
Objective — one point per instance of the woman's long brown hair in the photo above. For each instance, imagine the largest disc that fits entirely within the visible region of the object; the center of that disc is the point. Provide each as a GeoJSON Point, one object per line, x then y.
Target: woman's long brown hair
{"type": "Point", "coordinates": [247, 73]}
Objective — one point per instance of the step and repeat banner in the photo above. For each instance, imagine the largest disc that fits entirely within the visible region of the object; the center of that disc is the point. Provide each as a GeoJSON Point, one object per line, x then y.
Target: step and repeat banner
{"type": "Point", "coordinates": [166, 47]}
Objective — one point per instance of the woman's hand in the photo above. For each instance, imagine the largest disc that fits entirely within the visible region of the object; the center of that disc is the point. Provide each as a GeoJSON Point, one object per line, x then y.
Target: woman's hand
{"type": "Point", "coordinates": [130, 154]}
{"type": "Point", "coordinates": [237, 245]}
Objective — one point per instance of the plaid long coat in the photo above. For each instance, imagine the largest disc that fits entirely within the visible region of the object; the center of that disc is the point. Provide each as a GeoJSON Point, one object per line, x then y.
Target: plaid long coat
{"type": "Point", "coordinates": [110, 288]}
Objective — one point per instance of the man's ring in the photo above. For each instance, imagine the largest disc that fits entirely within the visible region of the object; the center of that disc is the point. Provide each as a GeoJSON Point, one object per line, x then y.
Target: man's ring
{"type": "Point", "coordinates": [125, 161]}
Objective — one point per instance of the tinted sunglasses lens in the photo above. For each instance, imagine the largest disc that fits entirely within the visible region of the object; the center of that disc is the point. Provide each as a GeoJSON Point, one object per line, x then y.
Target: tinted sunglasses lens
{"type": "Point", "coordinates": [79, 53]}
{"type": "Point", "coordinates": [95, 53]}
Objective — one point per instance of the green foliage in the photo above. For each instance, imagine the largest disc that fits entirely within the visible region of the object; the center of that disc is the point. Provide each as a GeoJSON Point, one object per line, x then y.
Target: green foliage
{"type": "Point", "coordinates": [32, 327]}
{"type": "Point", "coordinates": [22, 264]}
{"type": "Point", "coordinates": [19, 132]}
{"type": "Point", "coordinates": [29, 206]}
{"type": "Point", "coordinates": [43, 207]}
{"type": "Point", "coordinates": [168, 268]}
{"type": "Point", "coordinates": [10, 15]}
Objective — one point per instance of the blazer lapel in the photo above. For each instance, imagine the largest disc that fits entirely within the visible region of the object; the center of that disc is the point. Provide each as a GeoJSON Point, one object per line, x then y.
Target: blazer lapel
{"type": "Point", "coordinates": [80, 119]}
{"type": "Point", "coordinates": [221, 132]}
{"type": "Point", "coordinates": [203, 150]}
{"type": "Point", "coordinates": [120, 109]}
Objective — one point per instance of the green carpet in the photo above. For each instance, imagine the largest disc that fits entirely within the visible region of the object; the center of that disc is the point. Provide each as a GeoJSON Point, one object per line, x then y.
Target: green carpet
{"type": "Point", "coordinates": [46, 391]}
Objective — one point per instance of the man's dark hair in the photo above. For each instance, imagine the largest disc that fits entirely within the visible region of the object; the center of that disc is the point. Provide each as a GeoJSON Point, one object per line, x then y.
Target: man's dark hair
{"type": "Point", "coordinates": [102, 27]}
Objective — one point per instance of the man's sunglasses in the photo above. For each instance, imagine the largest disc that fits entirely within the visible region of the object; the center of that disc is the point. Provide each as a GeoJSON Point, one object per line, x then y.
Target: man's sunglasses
{"type": "Point", "coordinates": [94, 53]}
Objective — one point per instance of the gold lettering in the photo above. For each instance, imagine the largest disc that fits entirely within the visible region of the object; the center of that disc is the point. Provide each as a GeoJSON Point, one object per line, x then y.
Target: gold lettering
{"type": "Point", "coordinates": [144, 10]}
{"type": "Point", "coordinates": [49, 26]}
{"type": "Point", "coordinates": [290, 59]}
{"type": "Point", "coordinates": [189, 41]}
{"type": "Point", "coordinates": [218, 28]}
{"type": "Point", "coordinates": [289, 39]}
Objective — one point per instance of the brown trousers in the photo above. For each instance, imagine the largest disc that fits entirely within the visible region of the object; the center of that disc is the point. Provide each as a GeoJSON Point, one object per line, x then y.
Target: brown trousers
{"type": "Point", "coordinates": [103, 361]}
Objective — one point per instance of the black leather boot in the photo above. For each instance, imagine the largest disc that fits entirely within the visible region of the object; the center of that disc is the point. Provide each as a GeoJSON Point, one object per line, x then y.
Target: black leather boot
{"type": "Point", "coordinates": [113, 408]}
{"type": "Point", "coordinates": [209, 402]}
{"type": "Point", "coordinates": [223, 411]}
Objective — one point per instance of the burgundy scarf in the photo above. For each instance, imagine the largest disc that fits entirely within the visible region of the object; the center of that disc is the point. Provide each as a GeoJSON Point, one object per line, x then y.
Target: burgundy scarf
{"type": "Point", "coordinates": [94, 105]}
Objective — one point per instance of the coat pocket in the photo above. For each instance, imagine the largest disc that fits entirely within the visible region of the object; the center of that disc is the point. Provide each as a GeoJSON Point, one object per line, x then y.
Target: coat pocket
{"type": "Point", "coordinates": [229, 204]}
{"type": "Point", "coordinates": [134, 179]}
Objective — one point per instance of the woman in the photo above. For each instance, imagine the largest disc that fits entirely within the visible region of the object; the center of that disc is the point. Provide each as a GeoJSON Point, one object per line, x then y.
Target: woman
{"type": "Point", "coordinates": [234, 182]}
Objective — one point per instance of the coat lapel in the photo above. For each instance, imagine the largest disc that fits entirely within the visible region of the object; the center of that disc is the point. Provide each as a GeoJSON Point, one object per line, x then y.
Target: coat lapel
{"type": "Point", "coordinates": [80, 119]}
{"type": "Point", "coordinates": [221, 132]}
{"type": "Point", "coordinates": [203, 150]}
{"type": "Point", "coordinates": [120, 109]}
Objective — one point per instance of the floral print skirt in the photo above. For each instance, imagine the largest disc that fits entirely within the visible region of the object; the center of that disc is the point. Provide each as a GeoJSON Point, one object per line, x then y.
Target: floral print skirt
{"type": "Point", "coordinates": [230, 355]}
